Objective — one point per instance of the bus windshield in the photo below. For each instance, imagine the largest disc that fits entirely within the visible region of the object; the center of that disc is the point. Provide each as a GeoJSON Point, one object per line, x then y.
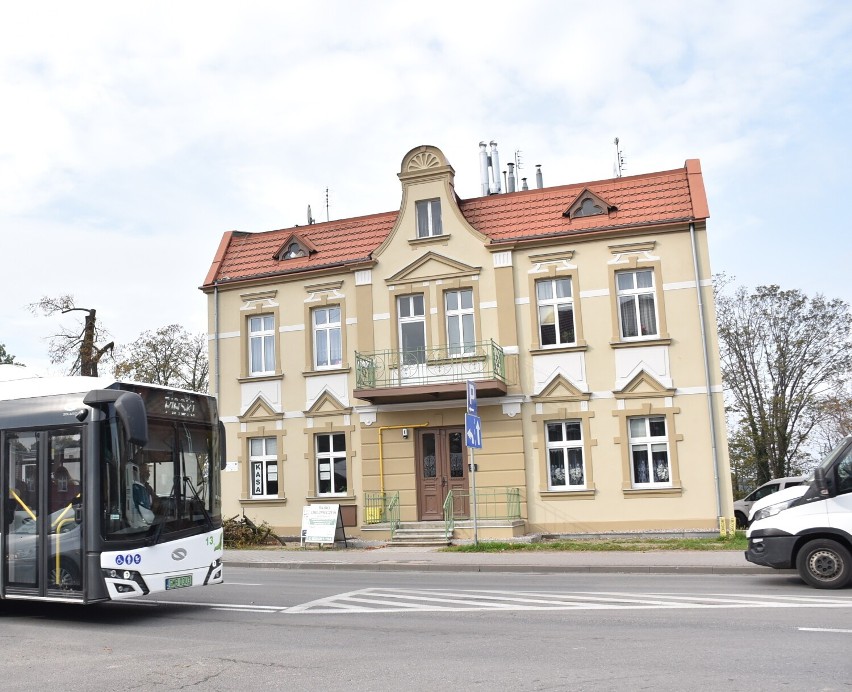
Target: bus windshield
{"type": "Point", "coordinates": [168, 486]}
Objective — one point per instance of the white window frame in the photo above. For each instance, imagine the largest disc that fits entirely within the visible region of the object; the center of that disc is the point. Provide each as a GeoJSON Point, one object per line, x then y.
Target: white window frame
{"type": "Point", "coordinates": [631, 298]}
{"type": "Point", "coordinates": [567, 448]}
{"type": "Point", "coordinates": [464, 321]}
{"type": "Point", "coordinates": [555, 302]}
{"type": "Point", "coordinates": [326, 461]}
{"type": "Point", "coordinates": [643, 439]}
{"type": "Point", "coordinates": [428, 213]}
{"type": "Point", "coordinates": [333, 338]}
{"type": "Point", "coordinates": [261, 329]}
{"type": "Point", "coordinates": [263, 467]}
{"type": "Point", "coordinates": [413, 356]}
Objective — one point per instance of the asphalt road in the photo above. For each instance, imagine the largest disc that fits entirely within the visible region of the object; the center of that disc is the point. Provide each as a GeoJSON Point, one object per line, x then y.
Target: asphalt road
{"type": "Point", "coordinates": [358, 630]}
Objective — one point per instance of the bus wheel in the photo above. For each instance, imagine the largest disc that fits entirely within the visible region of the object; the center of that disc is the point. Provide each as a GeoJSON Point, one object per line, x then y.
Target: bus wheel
{"type": "Point", "coordinates": [825, 564]}
{"type": "Point", "coordinates": [68, 577]}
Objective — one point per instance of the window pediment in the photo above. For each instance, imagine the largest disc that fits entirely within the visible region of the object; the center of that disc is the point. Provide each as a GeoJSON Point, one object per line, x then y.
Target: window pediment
{"type": "Point", "coordinates": [587, 203]}
{"type": "Point", "coordinates": [433, 266]}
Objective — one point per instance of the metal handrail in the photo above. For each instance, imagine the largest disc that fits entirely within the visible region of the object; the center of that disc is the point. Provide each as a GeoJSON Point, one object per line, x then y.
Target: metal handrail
{"type": "Point", "coordinates": [377, 506]}
{"type": "Point", "coordinates": [436, 365]}
{"type": "Point", "coordinates": [449, 519]}
{"type": "Point", "coordinates": [491, 503]}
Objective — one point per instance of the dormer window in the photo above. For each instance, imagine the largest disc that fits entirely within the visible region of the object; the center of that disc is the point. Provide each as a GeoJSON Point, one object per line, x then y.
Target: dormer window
{"type": "Point", "coordinates": [588, 208]}
{"type": "Point", "coordinates": [294, 250]}
{"type": "Point", "coordinates": [294, 246]}
{"type": "Point", "coordinates": [428, 218]}
{"type": "Point", "coordinates": [587, 203]}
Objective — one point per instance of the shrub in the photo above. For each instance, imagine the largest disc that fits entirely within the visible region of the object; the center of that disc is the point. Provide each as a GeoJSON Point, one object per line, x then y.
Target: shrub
{"type": "Point", "coordinates": [242, 532]}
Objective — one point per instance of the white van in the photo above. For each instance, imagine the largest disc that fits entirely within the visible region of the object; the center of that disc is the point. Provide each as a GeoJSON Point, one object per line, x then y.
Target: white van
{"type": "Point", "coordinates": [809, 526]}
{"type": "Point", "coordinates": [742, 508]}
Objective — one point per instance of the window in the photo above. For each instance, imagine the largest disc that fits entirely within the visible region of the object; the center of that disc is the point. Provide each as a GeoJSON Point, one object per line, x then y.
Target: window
{"type": "Point", "coordinates": [261, 345]}
{"type": "Point", "coordinates": [428, 218]}
{"type": "Point", "coordinates": [637, 311]}
{"type": "Point", "coordinates": [412, 328]}
{"type": "Point", "coordinates": [565, 467]}
{"type": "Point", "coordinates": [460, 336]}
{"type": "Point", "coordinates": [555, 312]}
{"type": "Point", "coordinates": [327, 349]}
{"type": "Point", "coordinates": [649, 451]}
{"type": "Point", "coordinates": [263, 466]}
{"type": "Point", "coordinates": [331, 464]}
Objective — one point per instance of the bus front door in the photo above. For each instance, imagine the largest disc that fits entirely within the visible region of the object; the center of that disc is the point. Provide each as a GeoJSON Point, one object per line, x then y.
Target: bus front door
{"type": "Point", "coordinates": [42, 524]}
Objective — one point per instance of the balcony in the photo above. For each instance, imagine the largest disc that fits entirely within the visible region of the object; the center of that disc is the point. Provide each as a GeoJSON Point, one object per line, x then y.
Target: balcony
{"type": "Point", "coordinates": [430, 374]}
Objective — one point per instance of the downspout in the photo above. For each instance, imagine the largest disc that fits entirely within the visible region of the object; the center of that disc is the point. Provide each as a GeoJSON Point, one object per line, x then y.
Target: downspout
{"type": "Point", "coordinates": [706, 355]}
{"type": "Point", "coordinates": [381, 449]}
{"type": "Point", "coordinates": [216, 343]}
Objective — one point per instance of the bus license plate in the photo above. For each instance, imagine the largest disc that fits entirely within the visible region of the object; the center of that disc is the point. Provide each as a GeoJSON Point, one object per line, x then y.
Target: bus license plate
{"type": "Point", "coordinates": [179, 582]}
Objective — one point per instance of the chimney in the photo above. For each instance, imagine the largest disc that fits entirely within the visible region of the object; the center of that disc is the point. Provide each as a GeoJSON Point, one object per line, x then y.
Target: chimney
{"type": "Point", "coordinates": [524, 185]}
{"type": "Point", "coordinates": [483, 168]}
{"type": "Point", "coordinates": [495, 169]}
{"type": "Point", "coordinates": [510, 187]}
{"type": "Point", "coordinates": [539, 182]}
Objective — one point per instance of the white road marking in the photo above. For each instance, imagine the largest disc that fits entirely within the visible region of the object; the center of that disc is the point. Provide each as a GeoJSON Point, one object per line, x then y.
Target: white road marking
{"type": "Point", "coordinates": [823, 629]}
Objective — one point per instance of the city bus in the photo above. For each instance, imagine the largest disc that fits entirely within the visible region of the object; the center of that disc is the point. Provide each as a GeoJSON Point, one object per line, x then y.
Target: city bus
{"type": "Point", "coordinates": [108, 490]}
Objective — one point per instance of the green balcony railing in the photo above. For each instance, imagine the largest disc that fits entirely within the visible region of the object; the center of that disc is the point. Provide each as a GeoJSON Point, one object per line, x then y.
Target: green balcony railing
{"type": "Point", "coordinates": [422, 366]}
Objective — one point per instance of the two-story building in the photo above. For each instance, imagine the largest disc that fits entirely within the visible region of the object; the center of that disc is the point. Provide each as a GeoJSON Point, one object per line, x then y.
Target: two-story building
{"type": "Point", "coordinates": [583, 314]}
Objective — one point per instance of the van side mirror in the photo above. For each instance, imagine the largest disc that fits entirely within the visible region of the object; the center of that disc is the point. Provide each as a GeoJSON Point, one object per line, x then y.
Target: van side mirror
{"type": "Point", "coordinates": [820, 483]}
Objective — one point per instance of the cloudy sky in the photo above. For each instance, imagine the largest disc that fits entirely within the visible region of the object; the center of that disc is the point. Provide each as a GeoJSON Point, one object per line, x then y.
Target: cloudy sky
{"type": "Point", "coordinates": [133, 135]}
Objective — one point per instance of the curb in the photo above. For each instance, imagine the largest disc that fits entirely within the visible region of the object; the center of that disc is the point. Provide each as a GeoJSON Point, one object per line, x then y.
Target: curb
{"type": "Point", "coordinates": [529, 569]}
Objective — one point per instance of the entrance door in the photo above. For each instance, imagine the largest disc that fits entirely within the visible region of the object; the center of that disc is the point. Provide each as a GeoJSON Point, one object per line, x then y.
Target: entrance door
{"type": "Point", "coordinates": [42, 524]}
{"type": "Point", "coordinates": [441, 467]}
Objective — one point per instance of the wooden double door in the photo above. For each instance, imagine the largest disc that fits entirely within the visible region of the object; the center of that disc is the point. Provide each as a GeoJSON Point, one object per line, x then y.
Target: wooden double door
{"type": "Point", "coordinates": [441, 467]}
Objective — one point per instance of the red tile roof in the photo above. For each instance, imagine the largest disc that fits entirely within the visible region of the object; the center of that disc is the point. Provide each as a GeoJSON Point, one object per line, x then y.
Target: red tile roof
{"type": "Point", "coordinates": [650, 199]}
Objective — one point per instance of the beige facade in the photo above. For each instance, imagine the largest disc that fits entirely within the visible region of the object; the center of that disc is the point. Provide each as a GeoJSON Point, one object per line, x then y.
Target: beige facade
{"type": "Point", "coordinates": [341, 353]}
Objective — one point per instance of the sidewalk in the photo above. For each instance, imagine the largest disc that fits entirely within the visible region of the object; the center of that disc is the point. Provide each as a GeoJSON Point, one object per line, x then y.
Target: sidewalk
{"type": "Point", "coordinates": [432, 560]}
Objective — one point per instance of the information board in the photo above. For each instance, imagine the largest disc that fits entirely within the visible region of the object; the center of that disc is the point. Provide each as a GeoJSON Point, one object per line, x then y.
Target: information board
{"type": "Point", "coordinates": [322, 524]}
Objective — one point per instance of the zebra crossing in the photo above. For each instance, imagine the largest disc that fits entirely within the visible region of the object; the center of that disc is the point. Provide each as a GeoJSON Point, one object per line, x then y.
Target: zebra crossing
{"type": "Point", "coordinates": [398, 600]}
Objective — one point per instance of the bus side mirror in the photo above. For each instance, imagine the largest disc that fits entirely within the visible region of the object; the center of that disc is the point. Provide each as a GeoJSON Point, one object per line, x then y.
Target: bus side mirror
{"type": "Point", "coordinates": [222, 462]}
{"type": "Point", "coordinates": [130, 410]}
{"type": "Point", "coordinates": [819, 482]}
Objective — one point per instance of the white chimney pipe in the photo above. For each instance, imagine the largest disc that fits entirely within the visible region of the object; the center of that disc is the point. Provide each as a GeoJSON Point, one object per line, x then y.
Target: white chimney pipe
{"type": "Point", "coordinates": [483, 168]}
{"type": "Point", "coordinates": [511, 186]}
{"type": "Point", "coordinates": [539, 181]}
{"type": "Point", "coordinates": [495, 169]}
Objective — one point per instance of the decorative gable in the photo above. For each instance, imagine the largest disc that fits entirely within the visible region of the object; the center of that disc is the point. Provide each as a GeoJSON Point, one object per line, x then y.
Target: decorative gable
{"type": "Point", "coordinates": [294, 246]}
{"type": "Point", "coordinates": [327, 404]}
{"type": "Point", "coordinates": [433, 266]}
{"type": "Point", "coordinates": [587, 203]}
{"type": "Point", "coordinates": [260, 410]}
{"type": "Point", "coordinates": [560, 388]}
{"type": "Point", "coordinates": [642, 386]}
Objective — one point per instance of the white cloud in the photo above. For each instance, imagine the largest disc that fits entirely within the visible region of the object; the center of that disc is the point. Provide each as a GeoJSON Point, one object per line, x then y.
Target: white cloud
{"type": "Point", "coordinates": [135, 135]}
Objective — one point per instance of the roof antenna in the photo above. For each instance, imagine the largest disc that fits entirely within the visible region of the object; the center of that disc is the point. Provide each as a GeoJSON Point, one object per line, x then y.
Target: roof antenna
{"type": "Point", "coordinates": [619, 160]}
{"type": "Point", "coordinates": [326, 204]}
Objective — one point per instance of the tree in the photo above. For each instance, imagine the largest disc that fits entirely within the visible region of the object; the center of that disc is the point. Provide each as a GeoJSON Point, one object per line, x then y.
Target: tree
{"type": "Point", "coordinates": [169, 356]}
{"type": "Point", "coordinates": [7, 358]}
{"type": "Point", "coordinates": [79, 347]}
{"type": "Point", "coordinates": [836, 419]}
{"type": "Point", "coordinates": [783, 355]}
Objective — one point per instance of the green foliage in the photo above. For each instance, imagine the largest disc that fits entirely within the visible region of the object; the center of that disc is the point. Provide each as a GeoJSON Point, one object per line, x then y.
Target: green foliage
{"type": "Point", "coordinates": [736, 542]}
{"type": "Point", "coordinates": [7, 358]}
{"type": "Point", "coordinates": [169, 356]}
{"type": "Point", "coordinates": [783, 355]}
{"type": "Point", "coordinates": [242, 532]}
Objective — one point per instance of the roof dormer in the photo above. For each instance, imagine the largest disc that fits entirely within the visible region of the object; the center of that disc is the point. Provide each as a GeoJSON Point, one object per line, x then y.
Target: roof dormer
{"type": "Point", "coordinates": [293, 247]}
{"type": "Point", "coordinates": [587, 203]}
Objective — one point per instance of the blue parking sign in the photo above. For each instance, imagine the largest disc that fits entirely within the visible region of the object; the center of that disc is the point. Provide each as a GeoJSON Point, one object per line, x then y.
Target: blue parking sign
{"type": "Point", "coordinates": [471, 397]}
{"type": "Point", "coordinates": [472, 431]}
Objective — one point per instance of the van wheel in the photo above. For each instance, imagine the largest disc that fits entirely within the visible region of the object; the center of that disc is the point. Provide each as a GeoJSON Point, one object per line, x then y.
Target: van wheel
{"type": "Point", "coordinates": [742, 521]}
{"type": "Point", "coordinates": [825, 564]}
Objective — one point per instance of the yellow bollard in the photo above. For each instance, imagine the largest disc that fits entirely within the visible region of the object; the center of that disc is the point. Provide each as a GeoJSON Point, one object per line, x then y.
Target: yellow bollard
{"type": "Point", "coordinates": [732, 526]}
{"type": "Point", "coordinates": [722, 531]}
